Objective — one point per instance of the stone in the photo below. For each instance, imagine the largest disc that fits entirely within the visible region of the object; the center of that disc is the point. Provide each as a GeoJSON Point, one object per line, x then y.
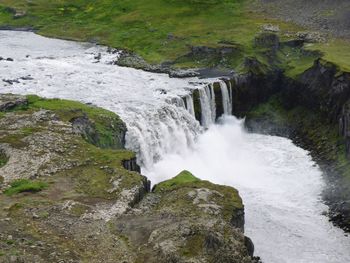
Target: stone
{"type": "Point", "coordinates": [10, 101]}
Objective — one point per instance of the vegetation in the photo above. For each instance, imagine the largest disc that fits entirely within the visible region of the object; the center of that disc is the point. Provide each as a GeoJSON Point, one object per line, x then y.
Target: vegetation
{"type": "Point", "coordinates": [3, 160]}
{"type": "Point", "coordinates": [185, 177]}
{"type": "Point", "coordinates": [24, 185]}
{"type": "Point", "coordinates": [165, 30]}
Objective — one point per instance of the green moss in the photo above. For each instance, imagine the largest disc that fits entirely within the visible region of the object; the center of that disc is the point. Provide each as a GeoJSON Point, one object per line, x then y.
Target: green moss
{"type": "Point", "coordinates": [30, 130]}
{"type": "Point", "coordinates": [3, 160]}
{"type": "Point", "coordinates": [67, 109]}
{"type": "Point", "coordinates": [336, 51]}
{"type": "Point", "coordinates": [295, 60]}
{"type": "Point", "coordinates": [194, 246]}
{"type": "Point", "coordinates": [107, 124]}
{"type": "Point", "coordinates": [24, 185]}
{"type": "Point", "coordinates": [158, 30]}
{"type": "Point", "coordinates": [15, 140]}
{"type": "Point", "coordinates": [183, 178]}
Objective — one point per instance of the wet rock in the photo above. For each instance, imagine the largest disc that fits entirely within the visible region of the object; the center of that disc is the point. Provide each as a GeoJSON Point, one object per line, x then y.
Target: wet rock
{"type": "Point", "coordinates": [249, 245]}
{"type": "Point", "coordinates": [311, 37]}
{"type": "Point", "coordinates": [9, 101]}
{"type": "Point", "coordinates": [267, 40]}
{"type": "Point", "coordinates": [183, 73]}
{"type": "Point", "coordinates": [131, 165]}
{"type": "Point", "coordinates": [87, 129]}
{"type": "Point", "coordinates": [271, 28]}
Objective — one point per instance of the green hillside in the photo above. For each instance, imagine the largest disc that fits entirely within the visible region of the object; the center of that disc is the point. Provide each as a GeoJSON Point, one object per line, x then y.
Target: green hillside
{"type": "Point", "coordinates": [161, 30]}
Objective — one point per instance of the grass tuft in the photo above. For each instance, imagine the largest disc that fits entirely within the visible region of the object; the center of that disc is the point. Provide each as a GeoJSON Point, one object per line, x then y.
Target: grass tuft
{"type": "Point", "coordinates": [25, 185]}
{"type": "Point", "coordinates": [185, 177]}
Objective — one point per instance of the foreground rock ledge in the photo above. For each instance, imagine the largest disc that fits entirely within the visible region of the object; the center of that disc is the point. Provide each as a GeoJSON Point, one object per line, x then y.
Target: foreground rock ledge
{"type": "Point", "coordinates": [71, 193]}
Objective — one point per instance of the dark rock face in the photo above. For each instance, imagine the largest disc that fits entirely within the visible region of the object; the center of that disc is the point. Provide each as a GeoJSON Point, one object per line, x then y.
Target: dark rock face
{"type": "Point", "coordinates": [84, 126]}
{"type": "Point", "coordinates": [131, 165]}
{"type": "Point", "coordinates": [250, 246]}
{"type": "Point", "coordinates": [251, 89]}
{"type": "Point", "coordinates": [197, 105]}
{"type": "Point", "coordinates": [267, 40]}
{"type": "Point", "coordinates": [9, 102]}
{"type": "Point", "coordinates": [218, 100]}
{"type": "Point", "coordinates": [319, 88]}
{"type": "Point", "coordinates": [204, 50]}
{"type": "Point", "coordinates": [323, 94]}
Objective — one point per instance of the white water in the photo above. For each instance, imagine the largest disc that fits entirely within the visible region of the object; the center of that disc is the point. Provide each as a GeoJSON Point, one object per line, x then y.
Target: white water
{"type": "Point", "coordinates": [69, 70]}
{"type": "Point", "coordinates": [205, 98]}
{"type": "Point", "coordinates": [190, 105]}
{"type": "Point", "coordinates": [226, 98]}
{"type": "Point", "coordinates": [278, 181]}
{"type": "Point", "coordinates": [212, 102]}
{"type": "Point", "coordinates": [280, 186]}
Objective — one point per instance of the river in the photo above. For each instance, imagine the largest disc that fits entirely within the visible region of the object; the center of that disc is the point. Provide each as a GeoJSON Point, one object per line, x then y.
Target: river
{"type": "Point", "coordinates": [278, 181]}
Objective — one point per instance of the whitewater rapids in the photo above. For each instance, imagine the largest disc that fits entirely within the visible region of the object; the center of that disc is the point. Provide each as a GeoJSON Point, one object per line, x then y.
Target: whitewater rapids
{"type": "Point", "coordinates": [279, 184]}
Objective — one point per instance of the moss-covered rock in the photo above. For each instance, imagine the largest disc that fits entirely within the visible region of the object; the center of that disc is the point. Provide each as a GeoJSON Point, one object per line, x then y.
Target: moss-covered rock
{"type": "Point", "coordinates": [65, 199]}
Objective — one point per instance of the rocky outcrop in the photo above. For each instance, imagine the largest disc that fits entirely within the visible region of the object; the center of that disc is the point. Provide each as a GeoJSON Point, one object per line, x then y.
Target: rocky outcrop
{"type": "Point", "coordinates": [112, 136]}
{"type": "Point", "coordinates": [77, 202]}
{"type": "Point", "coordinates": [129, 59]}
{"type": "Point", "coordinates": [131, 165]}
{"type": "Point", "coordinates": [10, 101]}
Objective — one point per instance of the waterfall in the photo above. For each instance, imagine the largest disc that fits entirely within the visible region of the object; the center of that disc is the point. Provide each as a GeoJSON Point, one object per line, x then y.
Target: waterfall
{"type": "Point", "coordinates": [278, 181]}
{"type": "Point", "coordinates": [190, 105]}
{"type": "Point", "coordinates": [226, 98]}
{"type": "Point", "coordinates": [212, 103]}
{"type": "Point", "coordinates": [205, 100]}
{"type": "Point", "coordinates": [152, 105]}
{"type": "Point", "coordinates": [231, 97]}
{"type": "Point", "coordinates": [154, 133]}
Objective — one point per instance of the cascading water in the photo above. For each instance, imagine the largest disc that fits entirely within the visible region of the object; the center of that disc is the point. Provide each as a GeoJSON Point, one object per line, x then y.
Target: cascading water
{"type": "Point", "coordinates": [280, 186]}
{"type": "Point", "coordinates": [226, 98]}
{"type": "Point", "coordinates": [150, 104]}
{"type": "Point", "coordinates": [278, 181]}
{"type": "Point", "coordinates": [205, 100]}
{"type": "Point", "coordinates": [190, 105]}
{"type": "Point", "coordinates": [212, 102]}
{"type": "Point", "coordinates": [231, 97]}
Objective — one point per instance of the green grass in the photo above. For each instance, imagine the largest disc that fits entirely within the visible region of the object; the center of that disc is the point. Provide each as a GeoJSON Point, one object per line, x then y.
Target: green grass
{"type": "Point", "coordinates": [106, 123]}
{"type": "Point", "coordinates": [165, 30]}
{"type": "Point", "coordinates": [25, 185]}
{"type": "Point", "coordinates": [185, 177]}
{"type": "Point", "coordinates": [145, 26]}
{"type": "Point", "coordinates": [336, 51]}
{"type": "Point", "coordinates": [3, 160]}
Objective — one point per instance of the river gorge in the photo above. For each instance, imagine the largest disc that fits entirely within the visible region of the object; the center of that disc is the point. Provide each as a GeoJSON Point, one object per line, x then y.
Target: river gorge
{"type": "Point", "coordinates": [278, 181]}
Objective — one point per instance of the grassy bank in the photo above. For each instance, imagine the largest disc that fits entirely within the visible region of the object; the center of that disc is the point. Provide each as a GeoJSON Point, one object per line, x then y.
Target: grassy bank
{"type": "Point", "coordinates": [160, 30]}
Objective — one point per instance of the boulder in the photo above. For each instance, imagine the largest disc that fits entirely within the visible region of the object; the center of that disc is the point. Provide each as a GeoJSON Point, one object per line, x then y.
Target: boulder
{"type": "Point", "coordinates": [10, 101]}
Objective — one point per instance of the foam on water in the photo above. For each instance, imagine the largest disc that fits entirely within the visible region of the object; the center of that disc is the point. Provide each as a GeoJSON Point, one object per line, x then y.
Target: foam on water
{"type": "Point", "coordinates": [147, 102]}
{"type": "Point", "coordinates": [280, 186]}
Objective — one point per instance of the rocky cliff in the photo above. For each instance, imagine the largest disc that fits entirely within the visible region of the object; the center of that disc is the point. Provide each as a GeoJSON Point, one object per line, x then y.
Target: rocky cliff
{"type": "Point", "coordinates": [313, 110]}
{"type": "Point", "coordinates": [71, 193]}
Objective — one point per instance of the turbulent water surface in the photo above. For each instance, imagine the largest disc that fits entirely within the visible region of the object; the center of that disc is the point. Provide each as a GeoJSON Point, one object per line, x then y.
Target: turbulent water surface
{"type": "Point", "coordinates": [280, 186]}
{"type": "Point", "coordinates": [278, 181]}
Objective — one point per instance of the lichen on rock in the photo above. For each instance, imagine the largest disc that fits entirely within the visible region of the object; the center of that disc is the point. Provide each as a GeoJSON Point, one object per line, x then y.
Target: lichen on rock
{"type": "Point", "coordinates": [77, 199]}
